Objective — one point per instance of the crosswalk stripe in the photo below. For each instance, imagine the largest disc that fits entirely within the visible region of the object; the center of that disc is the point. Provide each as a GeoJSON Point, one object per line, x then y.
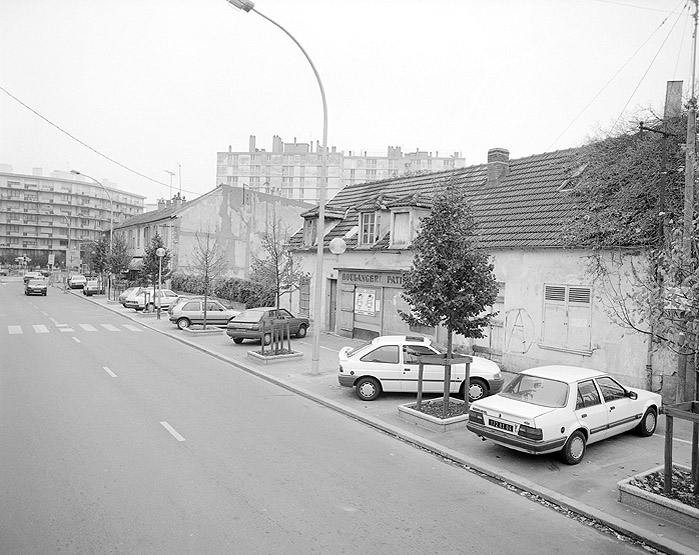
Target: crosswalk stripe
{"type": "Point", "coordinates": [110, 327]}
{"type": "Point", "coordinates": [40, 329]}
{"type": "Point", "coordinates": [65, 328]}
{"type": "Point", "coordinates": [131, 327]}
{"type": "Point", "coordinates": [88, 327]}
{"type": "Point", "coordinates": [14, 330]}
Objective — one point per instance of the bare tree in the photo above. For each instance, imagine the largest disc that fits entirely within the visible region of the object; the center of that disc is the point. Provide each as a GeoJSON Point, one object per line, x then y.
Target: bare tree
{"type": "Point", "coordinates": [209, 262]}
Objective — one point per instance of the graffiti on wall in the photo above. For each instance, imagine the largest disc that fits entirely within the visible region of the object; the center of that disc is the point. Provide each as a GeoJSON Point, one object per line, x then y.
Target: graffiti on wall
{"type": "Point", "coordinates": [520, 332]}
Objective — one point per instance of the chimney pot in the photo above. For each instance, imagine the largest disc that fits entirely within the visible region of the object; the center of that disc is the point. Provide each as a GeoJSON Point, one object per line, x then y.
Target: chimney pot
{"type": "Point", "coordinates": [498, 165]}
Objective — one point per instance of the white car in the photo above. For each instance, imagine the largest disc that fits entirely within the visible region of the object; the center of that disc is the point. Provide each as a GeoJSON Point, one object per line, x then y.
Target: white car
{"type": "Point", "coordinates": [77, 281]}
{"type": "Point", "coordinates": [390, 364]}
{"type": "Point", "coordinates": [563, 408]}
{"type": "Point", "coordinates": [147, 299]}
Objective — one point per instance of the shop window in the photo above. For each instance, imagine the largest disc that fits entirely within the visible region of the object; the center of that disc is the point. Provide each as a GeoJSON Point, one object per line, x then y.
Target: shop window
{"type": "Point", "coordinates": [566, 317]}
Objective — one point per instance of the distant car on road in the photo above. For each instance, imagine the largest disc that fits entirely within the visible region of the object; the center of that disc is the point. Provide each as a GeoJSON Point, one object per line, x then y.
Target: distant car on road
{"type": "Point", "coordinates": [32, 275]}
{"type": "Point", "coordinates": [36, 287]}
{"type": "Point", "coordinates": [77, 281]}
{"type": "Point", "coordinates": [563, 409]}
{"type": "Point", "coordinates": [254, 322]}
{"type": "Point", "coordinates": [91, 287]}
{"type": "Point", "coordinates": [191, 311]}
{"type": "Point", "coordinates": [389, 363]}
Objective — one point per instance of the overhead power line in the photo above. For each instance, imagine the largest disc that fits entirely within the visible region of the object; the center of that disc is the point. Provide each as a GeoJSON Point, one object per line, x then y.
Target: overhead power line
{"type": "Point", "coordinates": [88, 146]}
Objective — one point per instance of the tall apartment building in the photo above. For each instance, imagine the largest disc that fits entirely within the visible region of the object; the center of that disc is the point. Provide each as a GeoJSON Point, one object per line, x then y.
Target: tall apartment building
{"type": "Point", "coordinates": [293, 170]}
{"type": "Point", "coordinates": [42, 216]}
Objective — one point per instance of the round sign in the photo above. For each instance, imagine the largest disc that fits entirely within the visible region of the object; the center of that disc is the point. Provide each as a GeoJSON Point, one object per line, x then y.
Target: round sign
{"type": "Point", "coordinates": [160, 252]}
{"type": "Point", "coordinates": [338, 245]}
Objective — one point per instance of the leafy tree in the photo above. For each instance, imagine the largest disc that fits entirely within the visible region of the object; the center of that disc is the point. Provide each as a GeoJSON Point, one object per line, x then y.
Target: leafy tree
{"type": "Point", "coordinates": [629, 197]}
{"type": "Point", "coordinates": [451, 281]}
{"type": "Point", "coordinates": [209, 262]}
{"type": "Point", "coordinates": [153, 266]}
{"type": "Point", "coordinates": [276, 269]}
{"type": "Point", "coordinates": [120, 259]}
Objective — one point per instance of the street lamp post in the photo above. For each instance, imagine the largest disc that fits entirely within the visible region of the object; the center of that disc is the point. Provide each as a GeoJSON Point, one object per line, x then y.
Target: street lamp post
{"type": "Point", "coordinates": [247, 6]}
{"type": "Point", "coordinates": [68, 247]}
{"type": "Point", "coordinates": [111, 212]}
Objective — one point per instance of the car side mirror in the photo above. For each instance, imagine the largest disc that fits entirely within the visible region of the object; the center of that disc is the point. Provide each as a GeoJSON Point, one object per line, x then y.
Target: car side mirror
{"type": "Point", "coordinates": [632, 395]}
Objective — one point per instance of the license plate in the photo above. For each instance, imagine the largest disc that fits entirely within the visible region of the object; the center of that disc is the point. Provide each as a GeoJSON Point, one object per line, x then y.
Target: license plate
{"type": "Point", "coordinates": [500, 425]}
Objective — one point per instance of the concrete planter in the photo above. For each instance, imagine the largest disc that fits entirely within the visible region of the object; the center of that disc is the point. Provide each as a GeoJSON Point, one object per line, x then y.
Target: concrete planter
{"type": "Point", "coordinates": [272, 359]}
{"type": "Point", "coordinates": [200, 331]}
{"type": "Point", "coordinates": [408, 413]}
{"type": "Point", "coordinates": [667, 509]}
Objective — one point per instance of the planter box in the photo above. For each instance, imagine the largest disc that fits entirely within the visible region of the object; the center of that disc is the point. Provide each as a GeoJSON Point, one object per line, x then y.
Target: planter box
{"type": "Point", "coordinates": [273, 359]}
{"type": "Point", "coordinates": [657, 505]}
{"type": "Point", "coordinates": [408, 413]}
{"type": "Point", "coordinates": [208, 331]}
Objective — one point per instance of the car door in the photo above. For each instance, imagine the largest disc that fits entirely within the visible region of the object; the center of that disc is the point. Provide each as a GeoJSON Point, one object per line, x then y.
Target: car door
{"type": "Point", "coordinates": [215, 314]}
{"type": "Point", "coordinates": [432, 374]}
{"type": "Point", "coordinates": [591, 411]}
{"type": "Point", "coordinates": [382, 363]}
{"type": "Point", "coordinates": [286, 318]}
{"type": "Point", "coordinates": [623, 412]}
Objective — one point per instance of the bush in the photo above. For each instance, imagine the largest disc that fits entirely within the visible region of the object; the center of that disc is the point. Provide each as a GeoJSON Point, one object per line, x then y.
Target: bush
{"type": "Point", "coordinates": [236, 290]}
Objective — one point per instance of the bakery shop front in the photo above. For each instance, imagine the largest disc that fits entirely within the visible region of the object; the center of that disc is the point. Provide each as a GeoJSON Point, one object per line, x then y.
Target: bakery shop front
{"type": "Point", "coordinates": [369, 302]}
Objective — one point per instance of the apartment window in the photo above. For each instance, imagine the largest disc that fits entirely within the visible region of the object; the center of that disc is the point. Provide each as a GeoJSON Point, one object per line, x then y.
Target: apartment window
{"type": "Point", "coordinates": [31, 198]}
{"type": "Point", "coordinates": [371, 174]}
{"type": "Point", "coordinates": [367, 228]}
{"type": "Point", "coordinates": [13, 183]}
{"type": "Point", "coordinates": [84, 223]}
{"type": "Point", "coordinates": [566, 317]}
{"type": "Point", "coordinates": [14, 194]}
{"type": "Point", "coordinates": [287, 170]}
{"type": "Point", "coordinates": [13, 229]}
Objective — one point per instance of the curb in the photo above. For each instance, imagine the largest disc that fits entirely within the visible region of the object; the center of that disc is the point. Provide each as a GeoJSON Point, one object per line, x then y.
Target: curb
{"type": "Point", "coordinates": [637, 533]}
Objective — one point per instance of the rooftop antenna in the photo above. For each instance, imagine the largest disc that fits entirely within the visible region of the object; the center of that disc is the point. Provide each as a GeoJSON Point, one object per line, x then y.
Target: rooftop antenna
{"type": "Point", "coordinates": [171, 174]}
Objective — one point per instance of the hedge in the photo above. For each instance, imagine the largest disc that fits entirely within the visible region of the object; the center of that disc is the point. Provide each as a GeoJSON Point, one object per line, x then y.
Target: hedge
{"type": "Point", "coordinates": [245, 291]}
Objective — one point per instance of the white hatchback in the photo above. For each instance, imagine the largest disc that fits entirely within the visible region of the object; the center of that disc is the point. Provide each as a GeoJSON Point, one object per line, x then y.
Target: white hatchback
{"type": "Point", "coordinates": [390, 363]}
{"type": "Point", "coordinates": [563, 409]}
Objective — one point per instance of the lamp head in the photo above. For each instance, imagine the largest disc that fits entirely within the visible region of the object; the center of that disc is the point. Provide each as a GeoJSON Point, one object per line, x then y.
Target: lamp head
{"type": "Point", "coordinates": [76, 172]}
{"type": "Point", "coordinates": [246, 5]}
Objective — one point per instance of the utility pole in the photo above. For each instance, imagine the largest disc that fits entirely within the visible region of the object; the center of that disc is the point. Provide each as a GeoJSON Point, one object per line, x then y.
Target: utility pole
{"type": "Point", "coordinates": [686, 387]}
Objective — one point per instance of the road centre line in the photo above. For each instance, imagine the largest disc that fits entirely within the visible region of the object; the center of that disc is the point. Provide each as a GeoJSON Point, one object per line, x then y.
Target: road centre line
{"type": "Point", "coordinates": [108, 371]}
{"type": "Point", "coordinates": [172, 431]}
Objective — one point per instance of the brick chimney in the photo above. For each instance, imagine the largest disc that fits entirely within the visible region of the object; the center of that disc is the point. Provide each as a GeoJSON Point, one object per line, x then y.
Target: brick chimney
{"type": "Point", "coordinates": [498, 165]}
{"type": "Point", "coordinates": [161, 203]}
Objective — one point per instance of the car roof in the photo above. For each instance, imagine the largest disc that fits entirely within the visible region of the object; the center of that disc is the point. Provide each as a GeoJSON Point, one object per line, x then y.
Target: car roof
{"type": "Point", "coordinates": [563, 373]}
{"type": "Point", "coordinates": [386, 339]}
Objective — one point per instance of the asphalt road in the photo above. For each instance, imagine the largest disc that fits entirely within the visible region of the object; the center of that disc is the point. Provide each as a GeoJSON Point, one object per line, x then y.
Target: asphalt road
{"type": "Point", "coordinates": [117, 439]}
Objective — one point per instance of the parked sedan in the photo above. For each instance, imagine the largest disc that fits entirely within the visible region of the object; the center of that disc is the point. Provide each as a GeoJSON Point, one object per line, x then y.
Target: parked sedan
{"type": "Point", "coordinates": [148, 300]}
{"type": "Point", "coordinates": [191, 311]}
{"type": "Point", "coordinates": [254, 322]}
{"type": "Point", "coordinates": [91, 287]}
{"type": "Point", "coordinates": [563, 408]}
{"type": "Point", "coordinates": [36, 287]}
{"type": "Point", "coordinates": [127, 293]}
{"type": "Point", "coordinates": [390, 363]}
{"type": "Point", "coordinates": [77, 281]}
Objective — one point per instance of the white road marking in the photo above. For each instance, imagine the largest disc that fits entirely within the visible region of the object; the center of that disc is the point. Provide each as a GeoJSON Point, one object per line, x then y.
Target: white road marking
{"type": "Point", "coordinates": [43, 313]}
{"type": "Point", "coordinates": [14, 330]}
{"type": "Point", "coordinates": [172, 430]}
{"type": "Point", "coordinates": [76, 339]}
{"type": "Point", "coordinates": [40, 328]}
{"type": "Point", "coordinates": [110, 327]}
{"type": "Point", "coordinates": [55, 322]}
{"type": "Point", "coordinates": [108, 371]}
{"type": "Point", "coordinates": [88, 327]}
{"type": "Point", "coordinates": [64, 327]}
{"type": "Point", "coordinates": [131, 327]}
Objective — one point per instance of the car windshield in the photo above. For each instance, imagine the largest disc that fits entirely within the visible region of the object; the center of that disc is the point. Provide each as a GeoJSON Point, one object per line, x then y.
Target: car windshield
{"type": "Point", "coordinates": [36, 282]}
{"type": "Point", "coordinates": [250, 315]}
{"type": "Point", "coordinates": [537, 391]}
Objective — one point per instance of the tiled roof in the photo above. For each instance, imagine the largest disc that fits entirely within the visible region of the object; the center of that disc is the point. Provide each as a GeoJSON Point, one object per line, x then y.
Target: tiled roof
{"type": "Point", "coordinates": [151, 216]}
{"type": "Point", "coordinates": [525, 209]}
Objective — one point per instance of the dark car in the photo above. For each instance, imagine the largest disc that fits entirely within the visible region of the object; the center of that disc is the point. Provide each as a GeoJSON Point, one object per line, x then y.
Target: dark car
{"type": "Point", "coordinates": [36, 287]}
{"type": "Point", "coordinates": [256, 322]}
{"type": "Point", "coordinates": [191, 311]}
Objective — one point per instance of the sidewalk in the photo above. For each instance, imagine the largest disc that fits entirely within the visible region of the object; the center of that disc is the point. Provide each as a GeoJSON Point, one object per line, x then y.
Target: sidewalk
{"type": "Point", "coordinates": [588, 489]}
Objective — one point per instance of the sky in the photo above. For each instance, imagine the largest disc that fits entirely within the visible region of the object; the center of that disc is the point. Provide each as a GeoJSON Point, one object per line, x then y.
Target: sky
{"type": "Point", "coordinates": [129, 90]}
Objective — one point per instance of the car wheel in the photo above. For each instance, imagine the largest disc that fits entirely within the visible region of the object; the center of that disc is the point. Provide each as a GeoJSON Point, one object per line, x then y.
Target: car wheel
{"type": "Point", "coordinates": [183, 323]}
{"type": "Point", "coordinates": [44, 293]}
{"type": "Point", "coordinates": [302, 332]}
{"type": "Point", "coordinates": [646, 427]}
{"type": "Point", "coordinates": [478, 390]}
{"type": "Point", "coordinates": [574, 449]}
{"type": "Point", "coordinates": [367, 389]}
{"type": "Point", "coordinates": [237, 340]}
{"type": "Point", "coordinates": [267, 339]}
